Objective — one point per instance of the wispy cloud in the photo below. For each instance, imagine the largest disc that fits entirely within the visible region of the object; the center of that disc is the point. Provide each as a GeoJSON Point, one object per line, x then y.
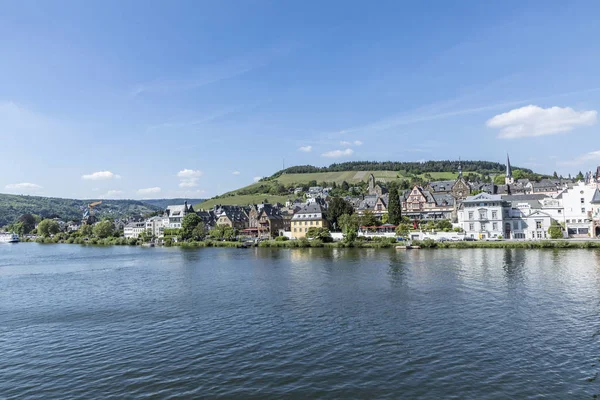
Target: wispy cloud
{"type": "Point", "coordinates": [306, 149]}
{"type": "Point", "coordinates": [257, 178]}
{"type": "Point", "coordinates": [152, 190]}
{"type": "Point", "coordinates": [536, 121]}
{"type": "Point", "coordinates": [188, 178]}
{"type": "Point", "coordinates": [210, 74]}
{"type": "Point", "coordinates": [100, 176]}
{"type": "Point", "coordinates": [236, 173]}
{"type": "Point", "coordinates": [354, 143]}
{"type": "Point", "coordinates": [338, 153]}
{"type": "Point", "coordinates": [591, 157]}
{"type": "Point", "coordinates": [23, 187]}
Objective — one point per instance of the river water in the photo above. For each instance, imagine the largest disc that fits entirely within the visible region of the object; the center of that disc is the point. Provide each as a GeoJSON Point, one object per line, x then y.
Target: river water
{"type": "Point", "coordinates": [129, 322]}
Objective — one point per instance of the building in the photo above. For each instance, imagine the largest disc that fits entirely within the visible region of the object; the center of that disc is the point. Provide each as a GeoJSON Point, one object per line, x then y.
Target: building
{"type": "Point", "coordinates": [232, 216]}
{"type": "Point", "coordinates": [134, 229]}
{"type": "Point", "coordinates": [421, 204]}
{"type": "Point", "coordinates": [173, 215]}
{"type": "Point", "coordinates": [595, 214]}
{"type": "Point", "coordinates": [578, 209]}
{"type": "Point", "coordinates": [508, 178]}
{"type": "Point", "coordinates": [310, 216]}
{"type": "Point", "coordinates": [155, 226]}
{"type": "Point", "coordinates": [270, 221]}
{"type": "Point", "coordinates": [482, 216]}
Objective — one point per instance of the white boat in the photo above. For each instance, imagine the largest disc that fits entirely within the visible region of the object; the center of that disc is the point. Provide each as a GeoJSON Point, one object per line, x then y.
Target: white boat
{"type": "Point", "coordinates": [8, 237]}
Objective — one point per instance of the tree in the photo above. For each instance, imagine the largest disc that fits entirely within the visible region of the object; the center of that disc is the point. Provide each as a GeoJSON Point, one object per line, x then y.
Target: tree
{"type": "Point", "coordinates": [222, 232]}
{"type": "Point", "coordinates": [499, 180]}
{"type": "Point", "coordinates": [103, 229]}
{"type": "Point", "coordinates": [345, 186]}
{"type": "Point", "coordinates": [555, 175]}
{"type": "Point", "coordinates": [349, 224]}
{"type": "Point", "coordinates": [337, 208]}
{"type": "Point", "coordinates": [403, 229]}
{"type": "Point", "coordinates": [199, 232]}
{"type": "Point", "coordinates": [555, 231]}
{"type": "Point", "coordinates": [48, 227]}
{"type": "Point", "coordinates": [188, 224]}
{"type": "Point", "coordinates": [319, 233]}
{"type": "Point", "coordinates": [579, 176]}
{"type": "Point", "coordinates": [368, 219]}
{"type": "Point", "coordinates": [146, 236]}
{"type": "Point", "coordinates": [394, 207]}
{"type": "Point", "coordinates": [28, 223]}
{"type": "Point", "coordinates": [86, 230]}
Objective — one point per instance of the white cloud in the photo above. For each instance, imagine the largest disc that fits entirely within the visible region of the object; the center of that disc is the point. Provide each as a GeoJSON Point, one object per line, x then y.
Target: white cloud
{"type": "Point", "coordinates": [306, 149]}
{"type": "Point", "coordinates": [111, 194]}
{"type": "Point", "coordinates": [257, 178]}
{"type": "Point", "coordinates": [592, 156]}
{"type": "Point", "coordinates": [236, 172]}
{"type": "Point", "coordinates": [536, 121]}
{"type": "Point", "coordinates": [100, 176]}
{"type": "Point", "coordinates": [152, 190]}
{"type": "Point", "coordinates": [189, 178]}
{"type": "Point", "coordinates": [24, 187]}
{"type": "Point", "coordinates": [338, 153]}
{"type": "Point", "coordinates": [355, 143]}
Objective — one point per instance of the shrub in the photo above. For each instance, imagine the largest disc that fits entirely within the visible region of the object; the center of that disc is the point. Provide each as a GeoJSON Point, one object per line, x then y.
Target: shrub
{"type": "Point", "coordinates": [282, 238]}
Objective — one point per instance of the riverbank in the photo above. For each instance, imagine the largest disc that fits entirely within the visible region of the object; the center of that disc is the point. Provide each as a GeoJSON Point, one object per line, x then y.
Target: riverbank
{"type": "Point", "coordinates": [372, 244]}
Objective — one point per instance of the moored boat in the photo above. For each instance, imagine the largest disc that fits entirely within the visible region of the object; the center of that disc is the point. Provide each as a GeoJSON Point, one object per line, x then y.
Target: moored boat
{"type": "Point", "coordinates": [8, 237]}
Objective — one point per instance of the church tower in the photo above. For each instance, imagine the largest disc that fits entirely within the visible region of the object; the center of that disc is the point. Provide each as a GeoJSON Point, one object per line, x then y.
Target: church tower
{"type": "Point", "coordinates": [508, 179]}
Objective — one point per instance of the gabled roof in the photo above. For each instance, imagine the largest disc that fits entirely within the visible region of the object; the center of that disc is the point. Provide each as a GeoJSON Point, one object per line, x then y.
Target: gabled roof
{"type": "Point", "coordinates": [483, 196]}
{"type": "Point", "coordinates": [596, 197]}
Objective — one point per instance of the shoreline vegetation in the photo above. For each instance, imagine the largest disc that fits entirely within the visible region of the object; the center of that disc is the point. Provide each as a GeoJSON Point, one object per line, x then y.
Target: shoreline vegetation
{"type": "Point", "coordinates": [379, 243]}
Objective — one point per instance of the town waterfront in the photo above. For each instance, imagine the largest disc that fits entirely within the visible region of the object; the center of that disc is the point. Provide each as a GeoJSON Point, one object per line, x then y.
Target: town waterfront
{"type": "Point", "coordinates": [124, 321]}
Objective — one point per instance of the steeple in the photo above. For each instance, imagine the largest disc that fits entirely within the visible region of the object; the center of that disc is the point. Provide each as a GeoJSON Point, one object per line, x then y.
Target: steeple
{"type": "Point", "coordinates": [508, 179]}
{"type": "Point", "coordinates": [459, 169]}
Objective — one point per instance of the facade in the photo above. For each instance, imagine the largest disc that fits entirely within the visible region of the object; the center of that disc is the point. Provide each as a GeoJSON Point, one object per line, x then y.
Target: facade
{"type": "Point", "coordinates": [270, 221]}
{"type": "Point", "coordinates": [134, 229]}
{"type": "Point", "coordinates": [595, 214]}
{"type": "Point", "coordinates": [482, 216]}
{"type": "Point", "coordinates": [421, 204]}
{"type": "Point", "coordinates": [310, 216]}
{"type": "Point", "coordinates": [174, 215]}
{"type": "Point", "coordinates": [578, 208]}
{"type": "Point", "coordinates": [233, 216]}
{"type": "Point", "coordinates": [155, 226]}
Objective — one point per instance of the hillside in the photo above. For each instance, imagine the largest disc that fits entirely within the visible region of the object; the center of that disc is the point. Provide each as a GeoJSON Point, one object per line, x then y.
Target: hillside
{"type": "Point", "coordinates": [163, 203]}
{"type": "Point", "coordinates": [13, 206]}
{"type": "Point", "coordinates": [276, 188]}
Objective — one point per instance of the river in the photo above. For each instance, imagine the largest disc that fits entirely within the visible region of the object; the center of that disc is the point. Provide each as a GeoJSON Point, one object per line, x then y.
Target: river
{"type": "Point", "coordinates": [130, 322]}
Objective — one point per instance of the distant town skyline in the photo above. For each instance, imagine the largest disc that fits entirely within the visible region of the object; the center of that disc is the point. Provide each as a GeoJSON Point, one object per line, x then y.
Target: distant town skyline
{"type": "Point", "coordinates": [146, 100]}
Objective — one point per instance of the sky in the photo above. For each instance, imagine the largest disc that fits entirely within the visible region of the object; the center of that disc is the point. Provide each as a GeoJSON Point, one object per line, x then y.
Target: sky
{"type": "Point", "coordinates": [156, 99]}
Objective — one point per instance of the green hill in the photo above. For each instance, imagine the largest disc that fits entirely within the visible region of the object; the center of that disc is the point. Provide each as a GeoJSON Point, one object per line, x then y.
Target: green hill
{"type": "Point", "coordinates": [279, 186]}
{"type": "Point", "coordinates": [13, 206]}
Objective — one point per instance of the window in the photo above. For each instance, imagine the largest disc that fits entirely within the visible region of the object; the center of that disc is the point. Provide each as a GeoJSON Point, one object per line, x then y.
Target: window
{"type": "Point", "coordinates": [495, 226]}
{"type": "Point", "coordinates": [494, 214]}
{"type": "Point", "coordinates": [559, 211]}
{"type": "Point", "coordinates": [583, 210]}
{"type": "Point", "coordinates": [568, 221]}
{"type": "Point", "coordinates": [482, 214]}
{"type": "Point", "coordinates": [294, 229]}
{"type": "Point", "coordinates": [483, 226]}
{"type": "Point", "coordinates": [538, 224]}
{"type": "Point", "coordinates": [516, 225]}
{"type": "Point", "coordinates": [471, 226]}
{"type": "Point", "coordinates": [470, 214]}
{"type": "Point", "coordinates": [582, 201]}
{"type": "Point", "coordinates": [311, 222]}
{"type": "Point", "coordinates": [305, 223]}
{"type": "Point", "coordinates": [539, 234]}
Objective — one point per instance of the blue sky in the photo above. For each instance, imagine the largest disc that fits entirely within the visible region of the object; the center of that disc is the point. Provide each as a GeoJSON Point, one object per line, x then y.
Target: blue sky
{"type": "Point", "coordinates": [132, 99]}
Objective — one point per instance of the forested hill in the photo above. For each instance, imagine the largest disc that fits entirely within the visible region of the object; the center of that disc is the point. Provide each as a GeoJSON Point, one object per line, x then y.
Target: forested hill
{"type": "Point", "coordinates": [482, 167]}
{"type": "Point", "coordinates": [13, 206]}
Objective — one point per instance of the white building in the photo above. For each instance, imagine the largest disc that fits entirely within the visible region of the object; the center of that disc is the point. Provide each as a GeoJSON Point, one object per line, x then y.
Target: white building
{"type": "Point", "coordinates": [578, 208]}
{"type": "Point", "coordinates": [155, 226]}
{"type": "Point", "coordinates": [482, 216]}
{"type": "Point", "coordinates": [174, 215]}
{"type": "Point", "coordinates": [134, 229]}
